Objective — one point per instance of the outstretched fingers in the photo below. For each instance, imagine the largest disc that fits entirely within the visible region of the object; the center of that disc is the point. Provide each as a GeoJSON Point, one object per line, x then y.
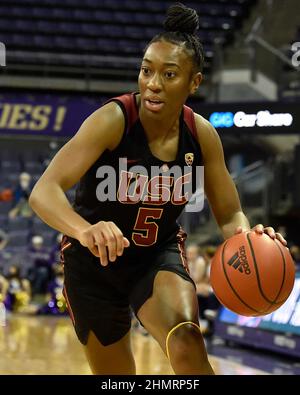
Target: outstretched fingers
{"type": "Point", "coordinates": [104, 240]}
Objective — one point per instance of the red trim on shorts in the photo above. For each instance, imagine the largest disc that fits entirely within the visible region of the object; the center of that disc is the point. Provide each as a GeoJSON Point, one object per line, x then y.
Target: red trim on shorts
{"type": "Point", "coordinates": [66, 246]}
{"type": "Point", "coordinates": [68, 305]}
{"type": "Point", "coordinates": [181, 237]}
{"type": "Point", "coordinates": [65, 243]}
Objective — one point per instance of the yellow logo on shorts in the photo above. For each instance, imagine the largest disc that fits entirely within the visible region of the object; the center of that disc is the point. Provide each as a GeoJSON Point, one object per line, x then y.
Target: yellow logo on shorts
{"type": "Point", "coordinates": [189, 158]}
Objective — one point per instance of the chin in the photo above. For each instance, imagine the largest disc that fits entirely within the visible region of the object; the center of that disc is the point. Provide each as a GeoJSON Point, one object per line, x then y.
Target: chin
{"type": "Point", "coordinates": [154, 114]}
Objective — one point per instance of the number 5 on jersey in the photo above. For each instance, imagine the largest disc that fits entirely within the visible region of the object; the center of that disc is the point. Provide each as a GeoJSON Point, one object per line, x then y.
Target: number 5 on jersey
{"type": "Point", "coordinates": [145, 231]}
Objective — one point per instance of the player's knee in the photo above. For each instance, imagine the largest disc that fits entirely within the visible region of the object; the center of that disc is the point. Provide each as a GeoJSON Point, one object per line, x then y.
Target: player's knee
{"type": "Point", "coordinates": [184, 340]}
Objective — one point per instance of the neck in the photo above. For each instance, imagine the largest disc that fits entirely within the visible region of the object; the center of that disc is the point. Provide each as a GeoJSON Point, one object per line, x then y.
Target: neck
{"type": "Point", "coordinates": [161, 127]}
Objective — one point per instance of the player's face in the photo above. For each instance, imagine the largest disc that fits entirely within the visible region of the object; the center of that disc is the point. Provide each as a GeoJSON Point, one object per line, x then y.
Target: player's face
{"type": "Point", "coordinates": [166, 79]}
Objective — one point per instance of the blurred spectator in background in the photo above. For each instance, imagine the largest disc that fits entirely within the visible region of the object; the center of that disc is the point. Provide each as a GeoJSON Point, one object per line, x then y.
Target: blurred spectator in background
{"type": "Point", "coordinates": [18, 293]}
{"type": "Point", "coordinates": [40, 272]}
{"type": "Point", "coordinates": [3, 293]}
{"type": "Point", "coordinates": [55, 301]}
{"type": "Point", "coordinates": [20, 197]}
{"type": "Point", "coordinates": [55, 252]}
{"type": "Point", "coordinates": [196, 262]}
{"type": "Point", "coordinates": [3, 239]}
{"type": "Point", "coordinates": [3, 288]}
{"type": "Point", "coordinates": [295, 252]}
{"type": "Point", "coordinates": [208, 303]}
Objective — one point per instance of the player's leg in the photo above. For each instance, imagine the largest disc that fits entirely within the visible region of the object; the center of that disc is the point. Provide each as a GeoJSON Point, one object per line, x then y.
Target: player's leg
{"type": "Point", "coordinates": [171, 317]}
{"type": "Point", "coordinates": [99, 312]}
{"type": "Point", "coordinates": [116, 358]}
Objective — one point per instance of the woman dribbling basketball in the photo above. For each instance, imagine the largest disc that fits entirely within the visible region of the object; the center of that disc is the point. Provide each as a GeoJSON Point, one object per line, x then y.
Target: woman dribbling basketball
{"type": "Point", "coordinates": [132, 228]}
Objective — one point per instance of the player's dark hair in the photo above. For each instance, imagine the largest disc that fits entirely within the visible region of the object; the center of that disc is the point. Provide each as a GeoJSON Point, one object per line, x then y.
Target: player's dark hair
{"type": "Point", "coordinates": [181, 25]}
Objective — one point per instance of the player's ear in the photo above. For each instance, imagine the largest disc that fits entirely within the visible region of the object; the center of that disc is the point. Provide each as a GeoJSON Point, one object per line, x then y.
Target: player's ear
{"type": "Point", "coordinates": [195, 82]}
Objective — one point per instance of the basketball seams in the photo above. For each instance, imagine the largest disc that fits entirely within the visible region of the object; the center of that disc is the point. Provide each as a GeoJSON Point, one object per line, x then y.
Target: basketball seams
{"type": "Point", "coordinates": [230, 285]}
{"type": "Point", "coordinates": [257, 273]}
{"type": "Point", "coordinates": [284, 271]}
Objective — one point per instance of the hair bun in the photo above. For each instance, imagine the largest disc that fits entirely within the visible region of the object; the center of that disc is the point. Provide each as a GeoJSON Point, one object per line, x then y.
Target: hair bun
{"type": "Point", "coordinates": [181, 19]}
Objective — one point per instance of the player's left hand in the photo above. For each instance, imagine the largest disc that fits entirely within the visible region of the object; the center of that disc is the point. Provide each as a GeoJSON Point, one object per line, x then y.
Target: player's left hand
{"type": "Point", "coordinates": [260, 229]}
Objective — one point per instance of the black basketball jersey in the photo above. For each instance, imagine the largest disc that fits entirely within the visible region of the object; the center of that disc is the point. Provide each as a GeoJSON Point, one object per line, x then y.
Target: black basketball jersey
{"type": "Point", "coordinates": [146, 194]}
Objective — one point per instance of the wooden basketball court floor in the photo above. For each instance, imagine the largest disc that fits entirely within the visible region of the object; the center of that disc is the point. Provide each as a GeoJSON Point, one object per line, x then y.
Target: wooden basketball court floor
{"type": "Point", "coordinates": [48, 345]}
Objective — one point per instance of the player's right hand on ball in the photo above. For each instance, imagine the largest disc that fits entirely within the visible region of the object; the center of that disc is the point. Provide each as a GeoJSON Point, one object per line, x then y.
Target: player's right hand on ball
{"type": "Point", "coordinates": [105, 240]}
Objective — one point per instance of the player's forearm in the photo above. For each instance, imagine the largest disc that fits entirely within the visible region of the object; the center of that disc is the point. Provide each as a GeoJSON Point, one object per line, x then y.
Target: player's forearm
{"type": "Point", "coordinates": [238, 219]}
{"type": "Point", "coordinates": [50, 203]}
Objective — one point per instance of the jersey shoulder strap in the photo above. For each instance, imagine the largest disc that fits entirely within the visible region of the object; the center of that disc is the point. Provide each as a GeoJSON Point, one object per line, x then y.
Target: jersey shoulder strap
{"type": "Point", "coordinates": [189, 119]}
{"type": "Point", "coordinates": [129, 108]}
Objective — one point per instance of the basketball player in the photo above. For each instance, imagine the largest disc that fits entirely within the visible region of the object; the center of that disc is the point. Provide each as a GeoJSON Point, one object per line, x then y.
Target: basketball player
{"type": "Point", "coordinates": [126, 252]}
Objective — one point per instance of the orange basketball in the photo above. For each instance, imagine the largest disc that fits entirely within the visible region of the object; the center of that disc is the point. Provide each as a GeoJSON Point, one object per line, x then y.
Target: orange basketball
{"type": "Point", "coordinates": [252, 274]}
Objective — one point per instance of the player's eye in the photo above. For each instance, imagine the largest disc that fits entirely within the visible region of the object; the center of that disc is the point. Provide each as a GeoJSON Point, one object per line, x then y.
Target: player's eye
{"type": "Point", "coordinates": [145, 70]}
{"type": "Point", "coordinates": [170, 74]}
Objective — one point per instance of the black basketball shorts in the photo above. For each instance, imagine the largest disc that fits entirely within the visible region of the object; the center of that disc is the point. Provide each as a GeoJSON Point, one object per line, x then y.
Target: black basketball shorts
{"type": "Point", "coordinates": [100, 298]}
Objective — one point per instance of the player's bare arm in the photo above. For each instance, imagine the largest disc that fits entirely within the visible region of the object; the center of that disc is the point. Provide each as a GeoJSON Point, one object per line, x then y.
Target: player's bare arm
{"type": "Point", "coordinates": [219, 186]}
{"type": "Point", "coordinates": [102, 130]}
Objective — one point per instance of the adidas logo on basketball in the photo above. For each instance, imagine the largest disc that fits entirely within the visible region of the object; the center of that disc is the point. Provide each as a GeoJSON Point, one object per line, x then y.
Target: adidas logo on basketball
{"type": "Point", "coordinates": [239, 261]}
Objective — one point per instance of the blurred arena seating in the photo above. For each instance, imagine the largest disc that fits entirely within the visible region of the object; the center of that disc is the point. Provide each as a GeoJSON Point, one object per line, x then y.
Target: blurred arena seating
{"type": "Point", "coordinates": [101, 38]}
{"type": "Point", "coordinates": [289, 84]}
{"type": "Point", "coordinates": [20, 230]}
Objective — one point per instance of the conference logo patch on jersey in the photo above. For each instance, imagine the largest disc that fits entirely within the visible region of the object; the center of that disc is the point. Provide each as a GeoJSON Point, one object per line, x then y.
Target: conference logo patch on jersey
{"type": "Point", "coordinates": [165, 167]}
{"type": "Point", "coordinates": [189, 158]}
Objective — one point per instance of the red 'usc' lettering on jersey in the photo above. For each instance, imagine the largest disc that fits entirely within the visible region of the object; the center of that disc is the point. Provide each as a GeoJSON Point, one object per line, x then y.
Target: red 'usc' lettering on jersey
{"type": "Point", "coordinates": [131, 187]}
{"type": "Point", "coordinates": [135, 188]}
{"type": "Point", "coordinates": [159, 190]}
{"type": "Point", "coordinates": [177, 197]}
